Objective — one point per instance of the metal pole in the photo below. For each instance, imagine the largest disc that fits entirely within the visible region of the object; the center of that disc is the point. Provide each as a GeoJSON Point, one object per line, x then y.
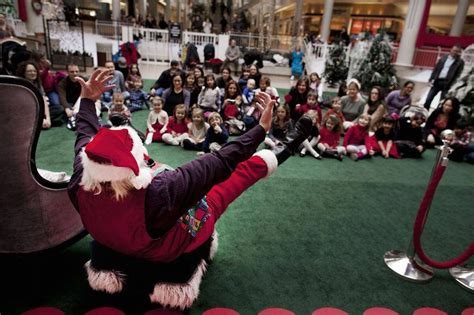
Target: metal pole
{"type": "Point", "coordinates": [406, 264]}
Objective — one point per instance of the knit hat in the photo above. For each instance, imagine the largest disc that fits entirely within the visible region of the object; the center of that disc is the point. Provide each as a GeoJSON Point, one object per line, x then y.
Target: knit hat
{"type": "Point", "coordinates": [115, 154]}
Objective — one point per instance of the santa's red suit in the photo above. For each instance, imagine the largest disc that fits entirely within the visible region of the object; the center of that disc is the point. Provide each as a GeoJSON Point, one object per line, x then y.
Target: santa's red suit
{"type": "Point", "coordinates": [164, 219]}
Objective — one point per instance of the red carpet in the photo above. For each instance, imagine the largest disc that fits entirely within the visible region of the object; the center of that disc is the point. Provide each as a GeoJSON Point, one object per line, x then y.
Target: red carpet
{"type": "Point", "coordinates": [267, 311]}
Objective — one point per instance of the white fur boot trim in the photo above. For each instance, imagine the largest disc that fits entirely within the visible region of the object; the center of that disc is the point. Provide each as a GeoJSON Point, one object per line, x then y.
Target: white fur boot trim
{"type": "Point", "coordinates": [214, 245]}
{"type": "Point", "coordinates": [110, 281]}
{"type": "Point", "coordinates": [270, 159]}
{"type": "Point", "coordinates": [181, 295]}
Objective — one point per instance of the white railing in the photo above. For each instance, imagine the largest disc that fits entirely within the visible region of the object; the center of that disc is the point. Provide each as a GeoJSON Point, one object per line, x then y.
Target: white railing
{"type": "Point", "coordinates": [199, 39]}
{"type": "Point", "coordinates": [154, 44]}
{"type": "Point", "coordinates": [20, 28]}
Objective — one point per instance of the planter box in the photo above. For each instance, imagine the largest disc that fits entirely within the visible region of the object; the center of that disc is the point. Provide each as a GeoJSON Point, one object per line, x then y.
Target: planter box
{"type": "Point", "coordinates": [68, 59]}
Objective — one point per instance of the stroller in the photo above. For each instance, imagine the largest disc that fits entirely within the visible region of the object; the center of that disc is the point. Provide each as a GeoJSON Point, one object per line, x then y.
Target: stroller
{"type": "Point", "coordinates": [12, 52]}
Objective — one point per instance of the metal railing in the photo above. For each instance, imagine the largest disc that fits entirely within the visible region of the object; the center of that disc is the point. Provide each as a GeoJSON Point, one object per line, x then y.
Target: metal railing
{"type": "Point", "coordinates": [277, 43]}
{"type": "Point", "coordinates": [109, 29]}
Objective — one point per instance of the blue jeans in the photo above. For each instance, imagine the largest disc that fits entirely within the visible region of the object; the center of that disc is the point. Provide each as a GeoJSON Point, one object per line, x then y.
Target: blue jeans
{"type": "Point", "coordinates": [470, 153]}
{"type": "Point", "coordinates": [56, 110]}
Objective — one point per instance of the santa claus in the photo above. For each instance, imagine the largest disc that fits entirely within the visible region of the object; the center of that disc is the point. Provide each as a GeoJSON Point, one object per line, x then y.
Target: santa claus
{"type": "Point", "coordinates": [154, 230]}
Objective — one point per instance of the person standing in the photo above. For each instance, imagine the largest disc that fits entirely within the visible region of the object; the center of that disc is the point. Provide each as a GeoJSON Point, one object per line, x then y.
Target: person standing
{"type": "Point", "coordinates": [223, 24]}
{"type": "Point", "coordinates": [297, 63]}
{"type": "Point", "coordinates": [444, 74]}
{"type": "Point", "coordinates": [207, 26]}
{"type": "Point", "coordinates": [344, 37]}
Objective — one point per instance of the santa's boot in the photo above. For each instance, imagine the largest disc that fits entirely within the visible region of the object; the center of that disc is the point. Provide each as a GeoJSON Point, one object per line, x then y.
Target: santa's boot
{"type": "Point", "coordinates": [293, 139]}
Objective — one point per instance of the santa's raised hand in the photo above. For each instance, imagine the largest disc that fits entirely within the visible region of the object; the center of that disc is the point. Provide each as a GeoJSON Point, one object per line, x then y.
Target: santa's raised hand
{"type": "Point", "coordinates": [265, 105]}
{"type": "Point", "coordinates": [96, 85]}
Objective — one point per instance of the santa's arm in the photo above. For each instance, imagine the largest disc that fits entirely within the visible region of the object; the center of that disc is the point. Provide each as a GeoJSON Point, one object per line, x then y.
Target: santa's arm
{"type": "Point", "coordinates": [87, 123]}
{"type": "Point", "coordinates": [171, 193]}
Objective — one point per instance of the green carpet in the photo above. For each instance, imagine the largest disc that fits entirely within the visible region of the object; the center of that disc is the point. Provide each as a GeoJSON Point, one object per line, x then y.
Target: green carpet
{"type": "Point", "coordinates": [313, 235]}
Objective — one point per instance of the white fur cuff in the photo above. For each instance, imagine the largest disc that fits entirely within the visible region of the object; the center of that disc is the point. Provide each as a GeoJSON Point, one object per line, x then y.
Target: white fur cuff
{"type": "Point", "coordinates": [270, 159]}
{"type": "Point", "coordinates": [182, 295]}
{"type": "Point", "coordinates": [110, 281]}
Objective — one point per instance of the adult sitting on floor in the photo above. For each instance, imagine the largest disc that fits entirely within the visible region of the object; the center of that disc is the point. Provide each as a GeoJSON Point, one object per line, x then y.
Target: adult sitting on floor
{"type": "Point", "coordinates": [166, 79]}
{"type": "Point", "coordinates": [69, 91]}
{"type": "Point", "coordinates": [159, 226]}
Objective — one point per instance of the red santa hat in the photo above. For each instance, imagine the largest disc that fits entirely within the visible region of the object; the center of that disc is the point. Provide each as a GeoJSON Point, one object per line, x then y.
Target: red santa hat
{"type": "Point", "coordinates": [116, 154]}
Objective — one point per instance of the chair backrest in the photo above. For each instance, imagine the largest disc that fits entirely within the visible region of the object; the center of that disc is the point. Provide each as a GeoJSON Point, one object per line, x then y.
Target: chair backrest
{"type": "Point", "coordinates": [36, 214]}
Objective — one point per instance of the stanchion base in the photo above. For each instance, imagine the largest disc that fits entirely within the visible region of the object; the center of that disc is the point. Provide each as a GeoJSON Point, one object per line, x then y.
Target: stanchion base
{"type": "Point", "coordinates": [464, 276]}
{"type": "Point", "coordinates": [408, 268]}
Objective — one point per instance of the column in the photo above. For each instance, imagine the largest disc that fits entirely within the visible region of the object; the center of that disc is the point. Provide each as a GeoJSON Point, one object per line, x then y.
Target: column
{"type": "Point", "coordinates": [34, 23]}
{"type": "Point", "coordinates": [271, 23]}
{"type": "Point", "coordinates": [297, 21]}
{"type": "Point", "coordinates": [115, 10]}
{"type": "Point", "coordinates": [260, 25]}
{"type": "Point", "coordinates": [326, 23]}
{"type": "Point", "coordinates": [153, 10]}
{"type": "Point", "coordinates": [460, 18]}
{"type": "Point", "coordinates": [168, 11]}
{"type": "Point", "coordinates": [143, 9]}
{"type": "Point", "coordinates": [410, 32]}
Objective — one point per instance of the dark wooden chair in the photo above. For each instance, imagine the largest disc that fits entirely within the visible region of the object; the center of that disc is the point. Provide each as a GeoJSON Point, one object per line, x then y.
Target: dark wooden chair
{"type": "Point", "coordinates": [36, 214]}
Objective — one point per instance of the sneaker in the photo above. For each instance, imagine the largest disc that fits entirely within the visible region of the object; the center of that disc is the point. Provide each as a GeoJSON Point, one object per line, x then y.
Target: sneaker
{"type": "Point", "coordinates": [354, 157]}
{"type": "Point", "coordinates": [317, 157]}
{"type": "Point", "coordinates": [339, 157]}
{"type": "Point", "coordinates": [71, 123]}
{"type": "Point", "coordinates": [302, 153]}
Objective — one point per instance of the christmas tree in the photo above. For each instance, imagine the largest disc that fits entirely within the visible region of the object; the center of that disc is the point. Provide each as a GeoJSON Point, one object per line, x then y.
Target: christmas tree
{"type": "Point", "coordinates": [377, 69]}
{"type": "Point", "coordinates": [336, 67]}
{"type": "Point", "coordinates": [7, 8]}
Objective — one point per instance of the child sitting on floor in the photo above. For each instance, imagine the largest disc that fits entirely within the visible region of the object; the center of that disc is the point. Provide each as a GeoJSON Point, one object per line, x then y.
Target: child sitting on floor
{"type": "Point", "coordinates": [118, 107]}
{"type": "Point", "coordinates": [157, 122]}
{"type": "Point", "coordinates": [330, 134]}
{"type": "Point", "coordinates": [177, 128]}
{"type": "Point", "coordinates": [281, 125]}
{"type": "Point", "coordinates": [356, 139]}
{"type": "Point", "coordinates": [216, 135]}
{"type": "Point", "coordinates": [138, 97]}
{"type": "Point", "coordinates": [409, 139]}
{"type": "Point", "coordinates": [382, 141]}
{"type": "Point", "coordinates": [197, 130]}
{"type": "Point", "coordinates": [311, 104]}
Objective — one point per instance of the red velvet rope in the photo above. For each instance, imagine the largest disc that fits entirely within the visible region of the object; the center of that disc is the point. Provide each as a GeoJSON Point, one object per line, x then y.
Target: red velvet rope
{"type": "Point", "coordinates": [419, 224]}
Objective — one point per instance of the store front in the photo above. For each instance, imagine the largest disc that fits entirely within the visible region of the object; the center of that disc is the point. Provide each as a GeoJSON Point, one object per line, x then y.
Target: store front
{"type": "Point", "coordinates": [357, 18]}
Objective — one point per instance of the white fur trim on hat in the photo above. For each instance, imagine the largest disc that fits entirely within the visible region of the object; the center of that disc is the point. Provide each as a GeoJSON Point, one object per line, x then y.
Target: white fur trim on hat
{"type": "Point", "coordinates": [108, 173]}
{"type": "Point", "coordinates": [356, 82]}
{"type": "Point", "coordinates": [270, 159]}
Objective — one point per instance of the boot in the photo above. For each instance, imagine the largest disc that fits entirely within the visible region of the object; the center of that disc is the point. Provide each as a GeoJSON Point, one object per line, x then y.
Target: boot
{"type": "Point", "coordinates": [293, 139]}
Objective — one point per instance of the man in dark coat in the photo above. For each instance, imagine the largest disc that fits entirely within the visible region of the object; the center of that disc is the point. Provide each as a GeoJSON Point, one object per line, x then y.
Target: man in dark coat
{"type": "Point", "coordinates": [445, 73]}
